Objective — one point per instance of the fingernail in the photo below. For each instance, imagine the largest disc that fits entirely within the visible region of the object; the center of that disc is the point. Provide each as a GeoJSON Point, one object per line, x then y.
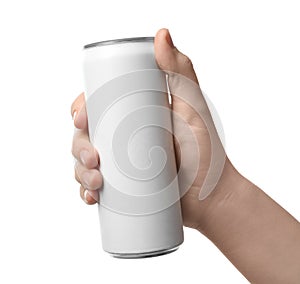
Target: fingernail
{"type": "Point", "coordinates": [84, 155]}
{"type": "Point", "coordinates": [74, 115]}
{"type": "Point", "coordinates": [94, 194]}
{"type": "Point", "coordinates": [85, 195]}
{"type": "Point", "coordinates": [169, 39]}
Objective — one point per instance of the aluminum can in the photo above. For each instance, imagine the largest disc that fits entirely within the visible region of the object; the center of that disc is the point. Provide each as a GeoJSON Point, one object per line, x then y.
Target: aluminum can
{"type": "Point", "coordinates": [130, 125]}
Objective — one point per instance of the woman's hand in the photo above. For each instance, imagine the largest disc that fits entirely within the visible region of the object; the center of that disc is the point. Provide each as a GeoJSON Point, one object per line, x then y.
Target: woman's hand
{"type": "Point", "coordinates": [188, 104]}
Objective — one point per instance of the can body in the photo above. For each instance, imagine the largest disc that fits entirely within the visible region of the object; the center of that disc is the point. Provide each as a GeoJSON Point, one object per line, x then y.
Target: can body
{"type": "Point", "coordinates": [130, 126]}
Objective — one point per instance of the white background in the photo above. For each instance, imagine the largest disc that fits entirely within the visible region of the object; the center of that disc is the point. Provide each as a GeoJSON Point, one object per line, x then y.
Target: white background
{"type": "Point", "coordinates": [246, 54]}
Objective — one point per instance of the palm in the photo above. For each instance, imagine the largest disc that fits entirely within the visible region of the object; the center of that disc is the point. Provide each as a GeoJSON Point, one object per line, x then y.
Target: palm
{"type": "Point", "coordinates": [189, 159]}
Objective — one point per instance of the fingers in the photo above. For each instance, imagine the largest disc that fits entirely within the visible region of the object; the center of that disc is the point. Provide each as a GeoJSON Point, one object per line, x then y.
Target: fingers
{"type": "Point", "coordinates": [90, 179]}
{"type": "Point", "coordinates": [89, 197]}
{"type": "Point", "coordinates": [87, 164]}
{"type": "Point", "coordinates": [83, 150]}
{"type": "Point", "coordinates": [78, 112]}
{"type": "Point", "coordinates": [90, 183]}
{"type": "Point", "coordinates": [169, 58]}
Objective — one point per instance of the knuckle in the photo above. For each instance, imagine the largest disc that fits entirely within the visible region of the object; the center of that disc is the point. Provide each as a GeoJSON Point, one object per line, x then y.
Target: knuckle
{"type": "Point", "coordinates": [77, 178]}
{"type": "Point", "coordinates": [73, 147]}
{"type": "Point", "coordinates": [76, 174]}
{"type": "Point", "coordinates": [73, 150]}
{"type": "Point", "coordinates": [81, 192]}
{"type": "Point", "coordinates": [186, 60]}
{"type": "Point", "coordinates": [95, 180]}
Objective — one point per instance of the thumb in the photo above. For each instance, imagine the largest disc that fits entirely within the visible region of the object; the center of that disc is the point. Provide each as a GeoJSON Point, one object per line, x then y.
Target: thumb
{"type": "Point", "coordinates": [187, 98]}
{"type": "Point", "coordinates": [193, 125]}
{"type": "Point", "coordinates": [169, 58]}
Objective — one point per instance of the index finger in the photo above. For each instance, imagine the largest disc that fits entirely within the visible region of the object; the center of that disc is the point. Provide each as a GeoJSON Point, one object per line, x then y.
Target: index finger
{"type": "Point", "coordinates": [78, 112]}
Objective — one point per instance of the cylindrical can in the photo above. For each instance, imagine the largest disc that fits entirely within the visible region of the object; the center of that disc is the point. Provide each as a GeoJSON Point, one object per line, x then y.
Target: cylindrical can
{"type": "Point", "coordinates": [130, 126]}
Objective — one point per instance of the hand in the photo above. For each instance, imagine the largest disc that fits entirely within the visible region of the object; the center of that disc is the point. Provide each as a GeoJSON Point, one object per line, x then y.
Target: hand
{"type": "Point", "coordinates": [195, 113]}
{"type": "Point", "coordinates": [257, 235]}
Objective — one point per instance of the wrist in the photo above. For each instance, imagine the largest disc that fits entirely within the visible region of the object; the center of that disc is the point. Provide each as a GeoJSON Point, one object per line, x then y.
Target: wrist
{"type": "Point", "coordinates": [223, 201]}
{"type": "Point", "coordinates": [258, 236]}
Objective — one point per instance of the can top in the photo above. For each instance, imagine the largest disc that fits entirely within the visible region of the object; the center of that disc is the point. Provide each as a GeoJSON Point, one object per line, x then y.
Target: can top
{"type": "Point", "coordinates": [121, 40]}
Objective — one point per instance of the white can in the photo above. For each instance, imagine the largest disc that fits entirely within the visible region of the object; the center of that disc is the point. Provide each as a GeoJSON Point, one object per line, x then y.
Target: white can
{"type": "Point", "coordinates": [130, 126]}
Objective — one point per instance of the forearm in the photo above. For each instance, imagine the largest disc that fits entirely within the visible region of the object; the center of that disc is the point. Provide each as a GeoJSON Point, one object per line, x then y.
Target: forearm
{"type": "Point", "coordinates": [257, 235]}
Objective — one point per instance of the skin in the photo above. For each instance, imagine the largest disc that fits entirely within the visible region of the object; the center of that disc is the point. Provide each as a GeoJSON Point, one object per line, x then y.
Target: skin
{"type": "Point", "coordinates": [259, 237]}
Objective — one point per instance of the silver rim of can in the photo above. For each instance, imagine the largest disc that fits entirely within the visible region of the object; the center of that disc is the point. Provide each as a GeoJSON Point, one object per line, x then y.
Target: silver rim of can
{"type": "Point", "coordinates": [118, 41]}
{"type": "Point", "coordinates": [144, 254]}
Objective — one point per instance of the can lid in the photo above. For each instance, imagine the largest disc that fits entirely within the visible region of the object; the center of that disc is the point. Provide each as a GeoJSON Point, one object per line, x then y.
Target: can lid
{"type": "Point", "coordinates": [121, 40]}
